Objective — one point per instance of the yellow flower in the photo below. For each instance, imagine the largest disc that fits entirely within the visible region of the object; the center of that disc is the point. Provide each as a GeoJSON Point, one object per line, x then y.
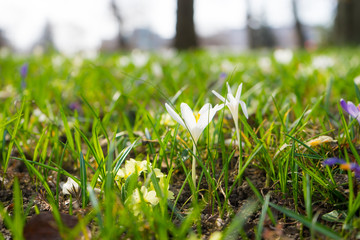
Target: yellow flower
{"type": "Point", "coordinates": [167, 120]}
{"type": "Point", "coordinates": [158, 173]}
{"type": "Point", "coordinates": [148, 196]}
{"type": "Point", "coordinates": [216, 236]}
{"type": "Point", "coordinates": [132, 166]}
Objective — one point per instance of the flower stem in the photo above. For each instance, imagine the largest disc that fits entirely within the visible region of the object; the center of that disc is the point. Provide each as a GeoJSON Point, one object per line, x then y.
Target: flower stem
{"type": "Point", "coordinates": [193, 172]}
{"type": "Point", "coordinates": [239, 144]}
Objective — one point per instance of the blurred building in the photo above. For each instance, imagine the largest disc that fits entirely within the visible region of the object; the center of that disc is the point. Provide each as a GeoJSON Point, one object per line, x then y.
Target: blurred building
{"type": "Point", "coordinates": [141, 38]}
{"type": "Point", "coordinates": [3, 41]}
{"type": "Point", "coordinates": [235, 39]}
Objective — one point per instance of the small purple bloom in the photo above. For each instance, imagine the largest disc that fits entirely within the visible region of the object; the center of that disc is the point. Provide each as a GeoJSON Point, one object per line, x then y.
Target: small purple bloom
{"type": "Point", "coordinates": [223, 76]}
{"type": "Point", "coordinates": [75, 106]}
{"type": "Point", "coordinates": [332, 161]}
{"type": "Point", "coordinates": [24, 70]}
{"type": "Point", "coordinates": [344, 165]}
{"type": "Point", "coordinates": [351, 109]}
{"type": "Point", "coordinates": [356, 169]}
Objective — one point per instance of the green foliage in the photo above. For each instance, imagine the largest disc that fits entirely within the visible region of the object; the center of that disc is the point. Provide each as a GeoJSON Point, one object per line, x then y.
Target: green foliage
{"type": "Point", "coordinates": [85, 118]}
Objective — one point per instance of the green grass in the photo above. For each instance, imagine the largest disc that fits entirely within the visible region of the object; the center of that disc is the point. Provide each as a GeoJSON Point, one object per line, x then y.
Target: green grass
{"type": "Point", "coordinates": [84, 118]}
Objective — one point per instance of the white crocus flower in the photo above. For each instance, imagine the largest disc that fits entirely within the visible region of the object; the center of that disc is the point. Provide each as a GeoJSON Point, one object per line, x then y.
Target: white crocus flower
{"type": "Point", "coordinates": [194, 123]}
{"type": "Point", "coordinates": [233, 104]}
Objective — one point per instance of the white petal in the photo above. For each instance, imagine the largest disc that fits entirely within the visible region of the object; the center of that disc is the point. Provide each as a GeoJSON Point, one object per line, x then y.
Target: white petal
{"type": "Point", "coordinates": [205, 109]}
{"type": "Point", "coordinates": [218, 96]}
{"type": "Point", "coordinates": [238, 92]}
{"type": "Point", "coordinates": [218, 107]}
{"type": "Point", "coordinates": [196, 132]}
{"type": "Point", "coordinates": [229, 89]}
{"type": "Point", "coordinates": [243, 106]}
{"type": "Point", "coordinates": [231, 98]}
{"type": "Point", "coordinates": [174, 115]}
{"type": "Point", "coordinates": [188, 116]}
{"type": "Point", "coordinates": [206, 118]}
{"type": "Point", "coordinates": [234, 109]}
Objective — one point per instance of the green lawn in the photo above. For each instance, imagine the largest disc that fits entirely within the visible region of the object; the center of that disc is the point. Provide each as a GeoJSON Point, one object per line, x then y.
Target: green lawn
{"type": "Point", "coordinates": [102, 122]}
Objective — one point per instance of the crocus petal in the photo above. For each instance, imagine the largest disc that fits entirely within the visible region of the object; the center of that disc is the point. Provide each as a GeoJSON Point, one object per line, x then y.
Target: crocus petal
{"type": "Point", "coordinates": [218, 96]}
{"type": "Point", "coordinates": [188, 116]}
{"type": "Point", "coordinates": [244, 109]}
{"type": "Point", "coordinates": [206, 118]}
{"type": "Point", "coordinates": [233, 110]}
{"type": "Point", "coordinates": [205, 109]}
{"type": "Point", "coordinates": [24, 70]}
{"type": "Point", "coordinates": [356, 168]}
{"type": "Point", "coordinates": [344, 105]}
{"type": "Point", "coordinates": [238, 92]}
{"type": "Point", "coordinates": [352, 109]}
{"type": "Point", "coordinates": [174, 115]}
{"type": "Point", "coordinates": [218, 107]}
{"type": "Point", "coordinates": [333, 161]}
{"type": "Point", "coordinates": [213, 111]}
{"type": "Point", "coordinates": [231, 98]}
{"type": "Point", "coordinates": [228, 87]}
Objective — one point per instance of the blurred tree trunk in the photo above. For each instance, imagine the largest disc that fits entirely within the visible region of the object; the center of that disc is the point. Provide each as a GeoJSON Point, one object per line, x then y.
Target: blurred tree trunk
{"type": "Point", "coordinates": [249, 29]}
{"type": "Point", "coordinates": [300, 34]}
{"type": "Point", "coordinates": [3, 41]}
{"type": "Point", "coordinates": [347, 22]}
{"type": "Point", "coordinates": [259, 34]}
{"type": "Point", "coordinates": [46, 40]}
{"type": "Point", "coordinates": [121, 42]}
{"type": "Point", "coordinates": [185, 37]}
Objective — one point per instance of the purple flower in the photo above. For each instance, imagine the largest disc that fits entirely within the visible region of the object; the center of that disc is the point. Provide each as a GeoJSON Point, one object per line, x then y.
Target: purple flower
{"type": "Point", "coordinates": [223, 76]}
{"type": "Point", "coordinates": [75, 106]}
{"type": "Point", "coordinates": [24, 70]}
{"type": "Point", "coordinates": [332, 161]}
{"type": "Point", "coordinates": [344, 165]}
{"type": "Point", "coordinates": [351, 109]}
{"type": "Point", "coordinates": [356, 169]}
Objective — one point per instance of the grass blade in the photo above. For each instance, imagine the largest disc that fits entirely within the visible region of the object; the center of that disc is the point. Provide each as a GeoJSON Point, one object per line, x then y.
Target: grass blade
{"type": "Point", "coordinates": [308, 223]}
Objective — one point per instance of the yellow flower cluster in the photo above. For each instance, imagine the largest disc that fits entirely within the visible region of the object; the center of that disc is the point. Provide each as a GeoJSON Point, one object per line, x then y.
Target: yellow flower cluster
{"type": "Point", "coordinates": [143, 192]}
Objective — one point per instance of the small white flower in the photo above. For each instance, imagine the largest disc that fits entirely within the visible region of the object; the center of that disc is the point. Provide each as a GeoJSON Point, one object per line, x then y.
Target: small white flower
{"type": "Point", "coordinates": [156, 69]}
{"type": "Point", "coordinates": [283, 56]}
{"type": "Point", "coordinates": [70, 187]}
{"type": "Point", "coordinates": [41, 116]}
{"type": "Point", "coordinates": [264, 63]}
{"type": "Point", "coordinates": [357, 80]}
{"type": "Point", "coordinates": [194, 123]}
{"type": "Point", "coordinates": [116, 96]}
{"type": "Point", "coordinates": [233, 102]}
{"type": "Point", "coordinates": [139, 58]}
{"type": "Point", "coordinates": [124, 61]}
{"type": "Point", "coordinates": [322, 62]}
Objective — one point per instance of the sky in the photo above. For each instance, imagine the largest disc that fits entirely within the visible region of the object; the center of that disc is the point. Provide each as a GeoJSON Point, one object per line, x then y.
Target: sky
{"type": "Point", "coordinates": [83, 24]}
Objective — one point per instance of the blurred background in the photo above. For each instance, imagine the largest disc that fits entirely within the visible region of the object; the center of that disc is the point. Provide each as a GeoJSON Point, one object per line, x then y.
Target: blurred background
{"type": "Point", "coordinates": [70, 26]}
